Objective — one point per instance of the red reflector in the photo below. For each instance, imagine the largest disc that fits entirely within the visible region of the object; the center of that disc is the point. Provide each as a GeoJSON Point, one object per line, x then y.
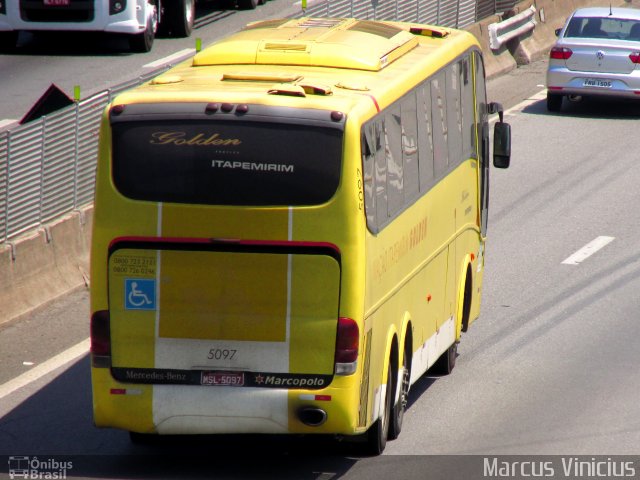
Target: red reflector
{"type": "Point", "coordinates": [560, 53]}
{"type": "Point", "coordinates": [323, 398]}
{"type": "Point", "coordinates": [555, 88]}
{"type": "Point", "coordinates": [347, 340]}
{"type": "Point", "coordinates": [117, 109]}
{"type": "Point", "coordinates": [100, 338]}
{"type": "Point", "coordinates": [118, 391]}
{"type": "Point", "coordinates": [635, 57]}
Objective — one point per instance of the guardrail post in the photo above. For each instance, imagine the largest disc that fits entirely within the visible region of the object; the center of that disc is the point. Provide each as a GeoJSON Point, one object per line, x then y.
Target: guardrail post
{"type": "Point", "coordinates": [41, 186]}
{"type": "Point", "coordinates": [8, 194]}
{"type": "Point", "coordinates": [76, 154]}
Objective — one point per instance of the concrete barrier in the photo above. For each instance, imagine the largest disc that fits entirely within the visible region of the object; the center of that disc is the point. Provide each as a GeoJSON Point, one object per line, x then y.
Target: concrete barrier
{"type": "Point", "coordinates": [496, 62]}
{"type": "Point", "coordinates": [45, 264]}
{"type": "Point", "coordinates": [550, 15]}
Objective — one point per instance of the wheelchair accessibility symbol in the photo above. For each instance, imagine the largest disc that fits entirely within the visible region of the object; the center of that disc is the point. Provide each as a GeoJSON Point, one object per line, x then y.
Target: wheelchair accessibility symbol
{"type": "Point", "coordinates": [140, 294]}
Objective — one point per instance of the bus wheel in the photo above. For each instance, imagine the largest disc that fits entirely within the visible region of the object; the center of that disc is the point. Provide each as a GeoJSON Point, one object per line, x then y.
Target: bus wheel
{"type": "Point", "coordinates": [444, 365]}
{"type": "Point", "coordinates": [377, 434]}
{"type": "Point", "coordinates": [142, 438]}
{"type": "Point", "coordinates": [397, 413]}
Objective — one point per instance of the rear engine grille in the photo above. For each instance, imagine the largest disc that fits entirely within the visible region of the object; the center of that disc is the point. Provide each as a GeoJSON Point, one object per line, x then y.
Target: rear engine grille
{"type": "Point", "coordinates": [76, 11]}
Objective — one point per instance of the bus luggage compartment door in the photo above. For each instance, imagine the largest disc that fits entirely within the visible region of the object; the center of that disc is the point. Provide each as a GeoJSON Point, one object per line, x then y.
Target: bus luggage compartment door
{"type": "Point", "coordinates": [195, 309]}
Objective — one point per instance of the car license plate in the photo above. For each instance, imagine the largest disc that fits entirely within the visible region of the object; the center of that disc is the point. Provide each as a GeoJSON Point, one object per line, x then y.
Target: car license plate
{"type": "Point", "coordinates": [594, 82]}
{"type": "Point", "coordinates": [226, 379]}
{"type": "Point", "coordinates": [57, 3]}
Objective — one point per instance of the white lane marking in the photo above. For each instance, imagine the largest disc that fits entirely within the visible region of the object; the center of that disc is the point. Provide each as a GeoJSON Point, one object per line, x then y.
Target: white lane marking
{"type": "Point", "coordinates": [588, 250]}
{"type": "Point", "coordinates": [510, 112]}
{"type": "Point", "coordinates": [178, 56]}
{"type": "Point", "coordinates": [44, 368]}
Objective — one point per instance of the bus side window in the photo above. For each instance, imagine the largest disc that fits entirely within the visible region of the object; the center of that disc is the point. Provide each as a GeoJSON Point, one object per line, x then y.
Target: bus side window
{"type": "Point", "coordinates": [408, 110]}
{"type": "Point", "coordinates": [425, 138]}
{"type": "Point", "coordinates": [440, 133]}
{"type": "Point", "coordinates": [393, 152]}
{"type": "Point", "coordinates": [380, 176]}
{"type": "Point", "coordinates": [454, 114]}
{"type": "Point", "coordinates": [369, 149]}
{"type": "Point", "coordinates": [468, 107]}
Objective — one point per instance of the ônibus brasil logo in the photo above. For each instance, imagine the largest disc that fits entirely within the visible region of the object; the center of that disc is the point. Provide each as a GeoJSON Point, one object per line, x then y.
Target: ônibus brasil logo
{"type": "Point", "coordinates": [35, 468]}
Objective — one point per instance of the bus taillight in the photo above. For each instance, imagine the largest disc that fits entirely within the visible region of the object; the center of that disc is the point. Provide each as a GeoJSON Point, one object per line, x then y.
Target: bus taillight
{"type": "Point", "coordinates": [100, 339]}
{"type": "Point", "coordinates": [347, 342]}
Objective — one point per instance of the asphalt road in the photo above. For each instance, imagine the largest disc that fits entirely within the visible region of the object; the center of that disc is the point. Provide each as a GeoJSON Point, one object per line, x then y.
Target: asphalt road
{"type": "Point", "coordinates": [95, 62]}
{"type": "Point", "coordinates": [550, 368]}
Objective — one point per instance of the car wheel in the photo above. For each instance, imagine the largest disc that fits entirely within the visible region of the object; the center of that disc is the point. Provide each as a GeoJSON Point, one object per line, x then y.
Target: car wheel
{"type": "Point", "coordinates": [8, 41]}
{"type": "Point", "coordinates": [179, 17]}
{"type": "Point", "coordinates": [554, 102]}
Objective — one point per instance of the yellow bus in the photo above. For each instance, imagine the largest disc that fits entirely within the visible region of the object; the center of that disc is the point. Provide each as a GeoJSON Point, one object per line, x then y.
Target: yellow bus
{"type": "Point", "coordinates": [289, 230]}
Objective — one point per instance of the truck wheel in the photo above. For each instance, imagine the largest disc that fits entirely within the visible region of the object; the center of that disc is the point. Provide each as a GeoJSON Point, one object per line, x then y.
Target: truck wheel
{"type": "Point", "coordinates": [178, 18]}
{"type": "Point", "coordinates": [142, 42]}
{"type": "Point", "coordinates": [247, 4]}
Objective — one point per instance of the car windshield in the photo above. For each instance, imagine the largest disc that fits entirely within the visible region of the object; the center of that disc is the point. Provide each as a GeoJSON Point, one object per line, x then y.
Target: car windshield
{"type": "Point", "coordinates": [604, 27]}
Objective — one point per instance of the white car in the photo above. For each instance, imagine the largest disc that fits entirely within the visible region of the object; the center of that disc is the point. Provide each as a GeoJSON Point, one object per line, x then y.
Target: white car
{"type": "Point", "coordinates": [139, 19]}
{"type": "Point", "coordinates": [597, 54]}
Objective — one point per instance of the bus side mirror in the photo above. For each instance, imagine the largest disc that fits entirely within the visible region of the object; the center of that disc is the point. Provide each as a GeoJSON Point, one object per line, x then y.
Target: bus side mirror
{"type": "Point", "coordinates": [501, 145]}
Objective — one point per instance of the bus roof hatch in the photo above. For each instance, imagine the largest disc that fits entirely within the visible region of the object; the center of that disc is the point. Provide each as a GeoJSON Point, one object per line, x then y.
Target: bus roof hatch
{"type": "Point", "coordinates": [339, 43]}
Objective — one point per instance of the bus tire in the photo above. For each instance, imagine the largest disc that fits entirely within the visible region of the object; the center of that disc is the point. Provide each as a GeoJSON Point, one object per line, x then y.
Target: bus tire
{"type": "Point", "coordinates": [138, 438]}
{"type": "Point", "coordinates": [444, 365]}
{"type": "Point", "coordinates": [397, 413]}
{"type": "Point", "coordinates": [179, 17]}
{"type": "Point", "coordinates": [379, 431]}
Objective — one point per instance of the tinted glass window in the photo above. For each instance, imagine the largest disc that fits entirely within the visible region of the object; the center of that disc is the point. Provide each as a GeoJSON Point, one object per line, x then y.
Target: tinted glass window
{"type": "Point", "coordinates": [393, 152]}
{"type": "Point", "coordinates": [425, 137]}
{"type": "Point", "coordinates": [226, 163]}
{"type": "Point", "coordinates": [454, 114]}
{"type": "Point", "coordinates": [410, 147]}
{"type": "Point", "coordinates": [440, 126]}
{"type": "Point", "coordinates": [607, 27]}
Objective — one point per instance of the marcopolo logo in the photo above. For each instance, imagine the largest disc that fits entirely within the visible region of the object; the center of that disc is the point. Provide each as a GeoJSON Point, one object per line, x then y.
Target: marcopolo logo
{"type": "Point", "coordinates": [38, 468]}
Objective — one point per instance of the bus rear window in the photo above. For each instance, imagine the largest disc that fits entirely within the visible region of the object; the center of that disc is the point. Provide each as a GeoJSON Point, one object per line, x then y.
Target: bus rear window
{"type": "Point", "coordinates": [226, 163]}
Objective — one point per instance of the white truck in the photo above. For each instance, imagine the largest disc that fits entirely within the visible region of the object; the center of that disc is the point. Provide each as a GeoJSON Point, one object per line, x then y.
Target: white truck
{"type": "Point", "coordinates": [140, 20]}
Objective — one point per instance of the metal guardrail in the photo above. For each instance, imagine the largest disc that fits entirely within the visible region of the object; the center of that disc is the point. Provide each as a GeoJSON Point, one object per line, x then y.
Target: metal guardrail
{"type": "Point", "coordinates": [47, 166]}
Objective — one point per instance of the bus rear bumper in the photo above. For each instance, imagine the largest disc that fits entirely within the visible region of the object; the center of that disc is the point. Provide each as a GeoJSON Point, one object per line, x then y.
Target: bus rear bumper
{"type": "Point", "coordinates": [186, 409]}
